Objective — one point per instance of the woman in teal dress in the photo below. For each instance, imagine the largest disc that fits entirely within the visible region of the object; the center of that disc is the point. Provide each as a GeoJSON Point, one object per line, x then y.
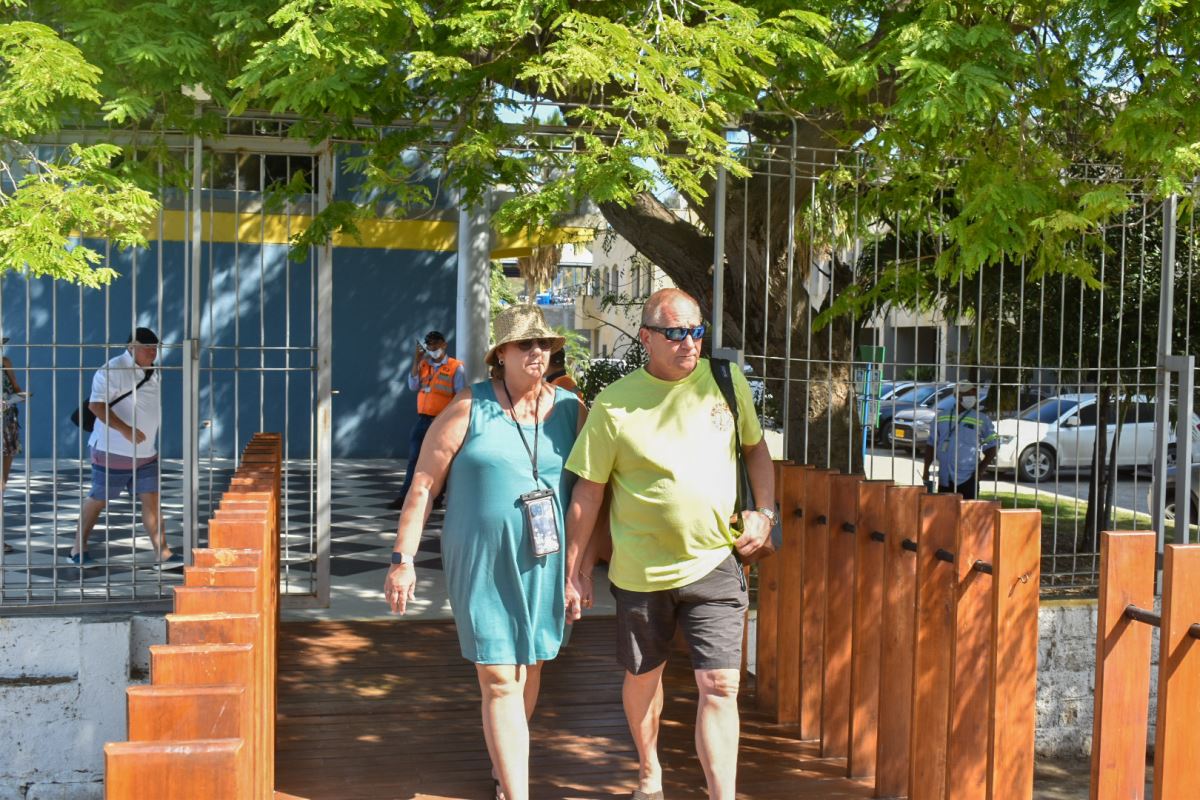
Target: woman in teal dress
{"type": "Point", "coordinates": [498, 440]}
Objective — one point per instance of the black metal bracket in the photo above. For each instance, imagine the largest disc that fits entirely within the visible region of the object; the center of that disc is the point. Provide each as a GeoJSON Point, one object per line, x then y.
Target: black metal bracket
{"type": "Point", "coordinates": [821, 520]}
{"type": "Point", "coordinates": [942, 554]}
{"type": "Point", "coordinates": [984, 567]}
{"type": "Point", "coordinates": [878, 536]}
{"type": "Point", "coordinates": [849, 527]}
{"type": "Point", "coordinates": [909, 545]}
{"type": "Point", "coordinates": [798, 513]}
{"type": "Point", "coordinates": [1136, 614]}
{"type": "Point", "coordinates": [1154, 620]}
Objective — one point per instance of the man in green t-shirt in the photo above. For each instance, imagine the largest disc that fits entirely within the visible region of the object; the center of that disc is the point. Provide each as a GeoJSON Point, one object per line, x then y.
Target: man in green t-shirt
{"type": "Point", "coordinates": [662, 438]}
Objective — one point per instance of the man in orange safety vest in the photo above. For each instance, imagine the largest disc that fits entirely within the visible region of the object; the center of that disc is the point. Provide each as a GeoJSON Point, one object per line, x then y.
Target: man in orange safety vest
{"type": "Point", "coordinates": [436, 378]}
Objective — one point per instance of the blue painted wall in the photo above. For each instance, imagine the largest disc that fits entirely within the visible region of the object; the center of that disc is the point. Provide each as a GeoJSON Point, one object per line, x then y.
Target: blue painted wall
{"type": "Point", "coordinates": [383, 301]}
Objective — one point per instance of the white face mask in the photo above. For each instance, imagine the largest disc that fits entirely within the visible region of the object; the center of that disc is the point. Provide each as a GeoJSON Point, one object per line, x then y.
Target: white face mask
{"type": "Point", "coordinates": [968, 401]}
{"type": "Point", "coordinates": [436, 355]}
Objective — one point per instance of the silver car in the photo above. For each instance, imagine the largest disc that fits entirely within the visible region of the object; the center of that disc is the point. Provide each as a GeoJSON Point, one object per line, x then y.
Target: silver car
{"type": "Point", "coordinates": [1169, 508]}
{"type": "Point", "coordinates": [915, 424]}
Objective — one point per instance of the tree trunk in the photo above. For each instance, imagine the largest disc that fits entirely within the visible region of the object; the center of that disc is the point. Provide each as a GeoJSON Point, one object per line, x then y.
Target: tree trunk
{"type": "Point", "coordinates": [821, 418]}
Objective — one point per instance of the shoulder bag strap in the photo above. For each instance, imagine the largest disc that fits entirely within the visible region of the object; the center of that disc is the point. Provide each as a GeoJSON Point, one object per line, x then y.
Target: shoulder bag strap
{"type": "Point", "coordinates": [722, 372]}
{"type": "Point", "coordinates": [141, 383]}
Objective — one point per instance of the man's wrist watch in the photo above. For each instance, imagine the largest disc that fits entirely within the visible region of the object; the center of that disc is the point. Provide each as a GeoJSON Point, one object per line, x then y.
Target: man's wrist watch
{"type": "Point", "coordinates": [402, 558]}
{"type": "Point", "coordinates": [769, 513]}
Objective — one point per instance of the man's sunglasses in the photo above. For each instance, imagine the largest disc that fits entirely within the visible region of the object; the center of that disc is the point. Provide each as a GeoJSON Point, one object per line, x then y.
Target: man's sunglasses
{"type": "Point", "coordinates": [679, 334]}
{"type": "Point", "coordinates": [544, 344]}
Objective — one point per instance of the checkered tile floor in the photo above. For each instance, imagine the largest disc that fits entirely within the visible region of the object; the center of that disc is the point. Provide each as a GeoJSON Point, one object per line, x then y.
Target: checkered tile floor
{"type": "Point", "coordinates": [41, 513]}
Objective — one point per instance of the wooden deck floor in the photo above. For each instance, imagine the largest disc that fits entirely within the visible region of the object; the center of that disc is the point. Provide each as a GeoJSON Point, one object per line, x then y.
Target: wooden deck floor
{"type": "Point", "coordinates": [390, 710]}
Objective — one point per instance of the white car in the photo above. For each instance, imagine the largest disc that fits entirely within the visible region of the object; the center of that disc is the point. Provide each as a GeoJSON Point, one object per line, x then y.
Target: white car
{"type": "Point", "coordinates": [1061, 432]}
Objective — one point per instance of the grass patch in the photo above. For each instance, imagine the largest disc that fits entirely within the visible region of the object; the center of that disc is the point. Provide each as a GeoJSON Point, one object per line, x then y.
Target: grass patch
{"type": "Point", "coordinates": [1066, 516]}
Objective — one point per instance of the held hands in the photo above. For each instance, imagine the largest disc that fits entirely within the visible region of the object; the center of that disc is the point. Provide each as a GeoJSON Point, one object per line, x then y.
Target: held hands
{"type": "Point", "coordinates": [756, 530]}
{"type": "Point", "coordinates": [400, 586]}
{"type": "Point", "coordinates": [579, 595]}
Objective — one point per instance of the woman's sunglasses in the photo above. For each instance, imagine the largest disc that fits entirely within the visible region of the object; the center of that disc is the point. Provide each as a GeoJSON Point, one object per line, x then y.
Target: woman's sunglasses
{"type": "Point", "coordinates": [544, 344]}
{"type": "Point", "coordinates": [679, 334]}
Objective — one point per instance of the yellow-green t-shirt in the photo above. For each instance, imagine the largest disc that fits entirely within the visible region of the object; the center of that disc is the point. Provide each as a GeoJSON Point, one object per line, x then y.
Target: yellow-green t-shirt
{"type": "Point", "coordinates": [667, 450]}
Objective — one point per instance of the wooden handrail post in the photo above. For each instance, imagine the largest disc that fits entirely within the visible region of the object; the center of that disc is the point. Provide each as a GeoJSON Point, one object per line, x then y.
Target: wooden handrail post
{"type": "Point", "coordinates": [839, 614]}
{"type": "Point", "coordinates": [934, 637]}
{"type": "Point", "coordinates": [1122, 667]}
{"type": "Point", "coordinates": [898, 641]}
{"type": "Point", "coordinates": [791, 489]}
{"type": "Point", "coordinates": [1012, 708]}
{"type": "Point", "coordinates": [868, 607]}
{"type": "Point", "coordinates": [812, 622]}
{"type": "Point", "coordinates": [1176, 738]}
{"type": "Point", "coordinates": [971, 654]}
{"type": "Point", "coordinates": [766, 674]}
{"type": "Point", "coordinates": [189, 770]}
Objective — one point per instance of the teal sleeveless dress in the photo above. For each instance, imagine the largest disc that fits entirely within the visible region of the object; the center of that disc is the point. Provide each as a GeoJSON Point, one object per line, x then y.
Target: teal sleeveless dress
{"type": "Point", "coordinates": [508, 604]}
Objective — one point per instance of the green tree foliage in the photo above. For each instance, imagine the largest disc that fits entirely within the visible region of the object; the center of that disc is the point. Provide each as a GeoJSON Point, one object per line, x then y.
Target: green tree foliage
{"type": "Point", "coordinates": [964, 119]}
{"type": "Point", "coordinates": [48, 195]}
{"type": "Point", "coordinates": [987, 103]}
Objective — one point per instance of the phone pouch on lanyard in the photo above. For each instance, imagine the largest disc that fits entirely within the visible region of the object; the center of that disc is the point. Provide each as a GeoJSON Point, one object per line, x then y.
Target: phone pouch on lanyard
{"type": "Point", "coordinates": [538, 506]}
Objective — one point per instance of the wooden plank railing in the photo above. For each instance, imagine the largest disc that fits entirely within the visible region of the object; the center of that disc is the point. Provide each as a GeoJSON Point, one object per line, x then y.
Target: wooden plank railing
{"type": "Point", "coordinates": [903, 634]}
{"type": "Point", "coordinates": [1123, 656]}
{"type": "Point", "coordinates": [205, 726]}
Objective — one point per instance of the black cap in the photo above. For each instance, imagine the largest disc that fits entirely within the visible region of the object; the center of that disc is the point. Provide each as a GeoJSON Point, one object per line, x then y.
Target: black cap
{"type": "Point", "coordinates": [434, 336]}
{"type": "Point", "coordinates": [143, 336]}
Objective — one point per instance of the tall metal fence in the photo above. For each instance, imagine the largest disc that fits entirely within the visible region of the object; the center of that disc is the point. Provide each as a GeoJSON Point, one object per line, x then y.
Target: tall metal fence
{"type": "Point", "coordinates": [239, 326]}
{"type": "Point", "coordinates": [1072, 372]}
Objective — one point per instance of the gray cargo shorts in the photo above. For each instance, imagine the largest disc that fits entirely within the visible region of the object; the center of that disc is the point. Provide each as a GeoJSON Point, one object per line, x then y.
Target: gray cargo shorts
{"type": "Point", "coordinates": [711, 612]}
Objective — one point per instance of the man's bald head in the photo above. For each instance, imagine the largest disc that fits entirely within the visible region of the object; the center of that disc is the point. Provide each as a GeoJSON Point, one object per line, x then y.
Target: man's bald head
{"type": "Point", "coordinates": [682, 303]}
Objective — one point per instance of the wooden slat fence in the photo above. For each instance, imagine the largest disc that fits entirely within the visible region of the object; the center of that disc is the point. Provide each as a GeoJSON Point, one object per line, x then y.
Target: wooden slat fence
{"type": "Point", "coordinates": [1124, 638]}
{"type": "Point", "coordinates": [205, 725]}
{"type": "Point", "coordinates": [901, 633]}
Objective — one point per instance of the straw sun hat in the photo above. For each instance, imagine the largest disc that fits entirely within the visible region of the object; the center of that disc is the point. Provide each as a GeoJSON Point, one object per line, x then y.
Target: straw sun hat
{"type": "Point", "coordinates": [519, 322]}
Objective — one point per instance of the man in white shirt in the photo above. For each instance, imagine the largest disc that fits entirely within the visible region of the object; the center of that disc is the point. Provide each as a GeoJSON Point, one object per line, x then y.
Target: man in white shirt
{"type": "Point", "coordinates": [126, 401]}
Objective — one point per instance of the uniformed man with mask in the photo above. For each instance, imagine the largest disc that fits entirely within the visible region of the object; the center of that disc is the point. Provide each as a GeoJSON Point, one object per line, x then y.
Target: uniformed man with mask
{"type": "Point", "coordinates": [963, 442]}
{"type": "Point", "coordinates": [436, 378]}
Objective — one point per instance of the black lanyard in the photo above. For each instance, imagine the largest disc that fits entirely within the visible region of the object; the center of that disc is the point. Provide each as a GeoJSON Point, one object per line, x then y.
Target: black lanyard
{"type": "Point", "coordinates": [512, 409]}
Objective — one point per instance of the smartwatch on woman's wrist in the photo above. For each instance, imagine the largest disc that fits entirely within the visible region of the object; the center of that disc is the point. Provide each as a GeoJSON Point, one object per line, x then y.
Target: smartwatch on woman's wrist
{"type": "Point", "coordinates": [401, 558]}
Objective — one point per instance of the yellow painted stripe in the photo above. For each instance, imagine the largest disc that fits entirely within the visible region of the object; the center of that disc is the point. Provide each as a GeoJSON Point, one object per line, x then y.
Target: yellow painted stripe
{"type": "Point", "coordinates": [225, 227]}
{"type": "Point", "coordinates": [378, 234]}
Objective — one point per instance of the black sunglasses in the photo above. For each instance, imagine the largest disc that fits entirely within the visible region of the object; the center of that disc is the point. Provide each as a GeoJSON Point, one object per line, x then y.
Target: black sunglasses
{"type": "Point", "coordinates": [679, 334]}
{"type": "Point", "coordinates": [527, 344]}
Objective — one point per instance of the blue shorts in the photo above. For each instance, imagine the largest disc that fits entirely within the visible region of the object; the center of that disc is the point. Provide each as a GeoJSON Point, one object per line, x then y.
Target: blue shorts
{"type": "Point", "coordinates": [108, 484]}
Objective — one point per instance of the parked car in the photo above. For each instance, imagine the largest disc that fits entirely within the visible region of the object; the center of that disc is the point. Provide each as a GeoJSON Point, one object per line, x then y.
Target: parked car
{"type": "Point", "coordinates": [1061, 432]}
{"type": "Point", "coordinates": [1169, 508]}
{"type": "Point", "coordinates": [909, 398]}
{"type": "Point", "coordinates": [1040, 384]}
{"type": "Point", "coordinates": [889, 389]}
{"type": "Point", "coordinates": [916, 424]}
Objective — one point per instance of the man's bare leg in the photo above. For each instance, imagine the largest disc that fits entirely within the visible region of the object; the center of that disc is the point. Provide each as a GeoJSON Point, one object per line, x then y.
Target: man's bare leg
{"type": "Point", "coordinates": [718, 730]}
{"type": "Point", "coordinates": [88, 514]}
{"type": "Point", "coordinates": [642, 696]}
{"type": "Point", "coordinates": [152, 519]}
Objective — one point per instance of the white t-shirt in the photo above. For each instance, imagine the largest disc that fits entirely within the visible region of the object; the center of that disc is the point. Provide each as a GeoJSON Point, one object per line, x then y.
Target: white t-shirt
{"type": "Point", "coordinates": [118, 376]}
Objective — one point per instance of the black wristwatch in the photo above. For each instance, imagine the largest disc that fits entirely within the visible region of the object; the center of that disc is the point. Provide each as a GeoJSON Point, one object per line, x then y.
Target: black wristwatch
{"type": "Point", "coordinates": [402, 558]}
